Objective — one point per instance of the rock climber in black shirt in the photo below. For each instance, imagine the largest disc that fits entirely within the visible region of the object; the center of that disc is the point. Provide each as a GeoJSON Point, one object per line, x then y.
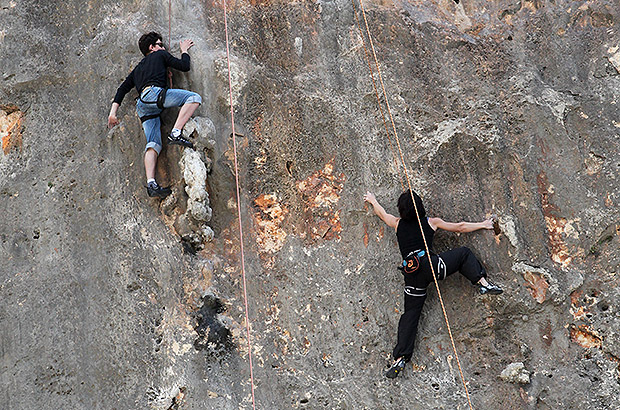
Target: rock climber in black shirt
{"type": "Point", "coordinates": [149, 78]}
{"type": "Point", "coordinates": [416, 269]}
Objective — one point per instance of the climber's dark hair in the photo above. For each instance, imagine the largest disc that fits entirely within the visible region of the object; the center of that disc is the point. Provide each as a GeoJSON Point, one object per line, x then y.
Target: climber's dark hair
{"type": "Point", "coordinates": [148, 39]}
{"type": "Point", "coordinates": [406, 208]}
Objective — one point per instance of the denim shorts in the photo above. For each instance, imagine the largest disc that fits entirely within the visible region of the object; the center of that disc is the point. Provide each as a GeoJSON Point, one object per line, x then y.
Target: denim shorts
{"type": "Point", "coordinates": [152, 127]}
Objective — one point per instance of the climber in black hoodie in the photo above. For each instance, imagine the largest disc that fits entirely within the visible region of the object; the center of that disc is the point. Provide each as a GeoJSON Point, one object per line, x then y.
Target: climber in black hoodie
{"type": "Point", "coordinates": [416, 269]}
{"type": "Point", "coordinates": [149, 78]}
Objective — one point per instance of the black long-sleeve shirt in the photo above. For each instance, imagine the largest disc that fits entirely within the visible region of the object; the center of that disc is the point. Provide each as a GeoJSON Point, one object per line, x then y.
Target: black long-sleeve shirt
{"type": "Point", "coordinates": [151, 71]}
{"type": "Point", "coordinates": [410, 238]}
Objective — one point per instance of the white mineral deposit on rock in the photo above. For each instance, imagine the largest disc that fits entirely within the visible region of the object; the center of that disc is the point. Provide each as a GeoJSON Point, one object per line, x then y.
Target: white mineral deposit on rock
{"type": "Point", "coordinates": [238, 77]}
{"type": "Point", "coordinates": [516, 373]}
{"type": "Point", "coordinates": [508, 228]}
{"type": "Point", "coordinates": [202, 130]}
{"type": "Point", "coordinates": [195, 176]}
{"type": "Point", "coordinates": [207, 233]}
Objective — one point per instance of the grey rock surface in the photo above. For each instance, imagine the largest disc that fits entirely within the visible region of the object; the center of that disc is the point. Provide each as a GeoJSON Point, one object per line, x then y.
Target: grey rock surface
{"type": "Point", "coordinates": [506, 107]}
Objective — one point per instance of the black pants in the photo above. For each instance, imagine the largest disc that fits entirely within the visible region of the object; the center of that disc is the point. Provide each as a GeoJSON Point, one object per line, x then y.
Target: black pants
{"type": "Point", "coordinates": [445, 264]}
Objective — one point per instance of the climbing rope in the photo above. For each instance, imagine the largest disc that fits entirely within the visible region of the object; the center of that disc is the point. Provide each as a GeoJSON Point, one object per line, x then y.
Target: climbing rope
{"type": "Point", "coordinates": [374, 85]}
{"type": "Point", "coordinates": [245, 294]}
{"type": "Point", "coordinates": [405, 170]}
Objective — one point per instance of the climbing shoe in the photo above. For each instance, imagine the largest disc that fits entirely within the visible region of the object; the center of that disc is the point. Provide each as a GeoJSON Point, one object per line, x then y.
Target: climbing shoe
{"type": "Point", "coordinates": [490, 289]}
{"type": "Point", "coordinates": [179, 140]}
{"type": "Point", "coordinates": [154, 190]}
{"type": "Point", "coordinates": [396, 368]}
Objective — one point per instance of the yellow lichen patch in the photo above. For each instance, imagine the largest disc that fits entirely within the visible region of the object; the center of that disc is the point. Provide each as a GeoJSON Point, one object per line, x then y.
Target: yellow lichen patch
{"type": "Point", "coordinates": [271, 236]}
{"type": "Point", "coordinates": [321, 192]}
{"type": "Point", "coordinates": [585, 337]}
{"type": "Point", "coordinates": [10, 127]}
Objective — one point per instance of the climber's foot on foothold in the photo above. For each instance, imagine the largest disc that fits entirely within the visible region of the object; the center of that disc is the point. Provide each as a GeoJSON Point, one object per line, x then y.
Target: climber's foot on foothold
{"type": "Point", "coordinates": [396, 368]}
{"type": "Point", "coordinates": [490, 289]}
{"type": "Point", "coordinates": [179, 140]}
{"type": "Point", "coordinates": [155, 190]}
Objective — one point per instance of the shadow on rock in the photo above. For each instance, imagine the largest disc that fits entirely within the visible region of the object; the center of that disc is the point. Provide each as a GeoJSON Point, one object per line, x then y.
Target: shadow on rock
{"type": "Point", "coordinates": [213, 337]}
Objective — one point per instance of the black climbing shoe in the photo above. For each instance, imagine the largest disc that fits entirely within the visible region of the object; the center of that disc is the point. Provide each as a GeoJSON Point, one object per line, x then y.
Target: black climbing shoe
{"type": "Point", "coordinates": [154, 190]}
{"type": "Point", "coordinates": [491, 289]}
{"type": "Point", "coordinates": [396, 368]}
{"type": "Point", "coordinates": [172, 140]}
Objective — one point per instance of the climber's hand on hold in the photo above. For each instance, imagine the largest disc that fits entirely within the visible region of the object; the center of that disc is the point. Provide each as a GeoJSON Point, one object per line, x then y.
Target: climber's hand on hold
{"type": "Point", "coordinates": [370, 197]}
{"type": "Point", "coordinates": [488, 224]}
{"type": "Point", "coordinates": [185, 45]}
{"type": "Point", "coordinates": [112, 121]}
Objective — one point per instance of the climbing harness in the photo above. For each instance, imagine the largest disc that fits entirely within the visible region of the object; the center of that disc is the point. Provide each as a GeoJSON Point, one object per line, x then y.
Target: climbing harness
{"type": "Point", "coordinates": [245, 293]}
{"type": "Point", "coordinates": [405, 171]}
{"type": "Point", "coordinates": [411, 263]}
{"type": "Point", "coordinates": [161, 99]}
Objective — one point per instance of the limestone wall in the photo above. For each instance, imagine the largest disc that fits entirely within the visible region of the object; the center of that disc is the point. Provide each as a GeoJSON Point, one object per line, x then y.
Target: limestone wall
{"type": "Point", "coordinates": [111, 299]}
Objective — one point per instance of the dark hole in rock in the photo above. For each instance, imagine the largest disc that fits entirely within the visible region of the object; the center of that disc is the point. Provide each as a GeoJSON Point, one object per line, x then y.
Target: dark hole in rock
{"type": "Point", "coordinates": [188, 248]}
{"type": "Point", "coordinates": [289, 165]}
{"type": "Point", "coordinates": [303, 401]}
{"type": "Point", "coordinates": [604, 307]}
{"type": "Point", "coordinates": [435, 386]}
{"type": "Point", "coordinates": [213, 336]}
{"type": "Point", "coordinates": [133, 286]}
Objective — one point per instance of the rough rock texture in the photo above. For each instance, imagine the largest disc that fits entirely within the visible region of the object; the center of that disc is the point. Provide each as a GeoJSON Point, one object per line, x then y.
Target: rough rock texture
{"type": "Point", "coordinates": [504, 106]}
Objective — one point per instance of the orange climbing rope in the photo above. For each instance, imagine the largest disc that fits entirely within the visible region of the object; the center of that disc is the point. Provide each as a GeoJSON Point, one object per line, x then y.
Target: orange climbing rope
{"type": "Point", "coordinates": [245, 293]}
{"type": "Point", "coordinates": [374, 85]}
{"type": "Point", "coordinates": [404, 165]}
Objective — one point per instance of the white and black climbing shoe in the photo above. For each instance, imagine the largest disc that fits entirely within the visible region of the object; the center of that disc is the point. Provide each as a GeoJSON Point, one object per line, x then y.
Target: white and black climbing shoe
{"type": "Point", "coordinates": [154, 190]}
{"type": "Point", "coordinates": [179, 140]}
{"type": "Point", "coordinates": [396, 368]}
{"type": "Point", "coordinates": [490, 289]}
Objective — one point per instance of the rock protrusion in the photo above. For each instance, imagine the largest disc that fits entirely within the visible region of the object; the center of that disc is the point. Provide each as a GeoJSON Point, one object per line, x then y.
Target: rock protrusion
{"type": "Point", "coordinates": [516, 373]}
{"type": "Point", "coordinates": [195, 165]}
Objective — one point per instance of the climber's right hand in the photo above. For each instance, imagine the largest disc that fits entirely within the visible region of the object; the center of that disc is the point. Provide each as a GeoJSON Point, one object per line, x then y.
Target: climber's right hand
{"type": "Point", "coordinates": [185, 45]}
{"type": "Point", "coordinates": [112, 121]}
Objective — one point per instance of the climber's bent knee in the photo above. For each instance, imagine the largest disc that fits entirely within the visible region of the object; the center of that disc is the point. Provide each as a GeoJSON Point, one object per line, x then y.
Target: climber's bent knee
{"type": "Point", "coordinates": [154, 146]}
{"type": "Point", "coordinates": [176, 98]}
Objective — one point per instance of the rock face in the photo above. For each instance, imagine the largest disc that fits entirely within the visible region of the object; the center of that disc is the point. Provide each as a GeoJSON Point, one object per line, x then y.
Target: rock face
{"type": "Point", "coordinates": [505, 106]}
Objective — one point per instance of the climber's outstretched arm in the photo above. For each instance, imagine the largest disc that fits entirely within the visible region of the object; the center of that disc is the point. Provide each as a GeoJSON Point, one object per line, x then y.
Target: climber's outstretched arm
{"type": "Point", "coordinates": [389, 219]}
{"type": "Point", "coordinates": [438, 223]}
